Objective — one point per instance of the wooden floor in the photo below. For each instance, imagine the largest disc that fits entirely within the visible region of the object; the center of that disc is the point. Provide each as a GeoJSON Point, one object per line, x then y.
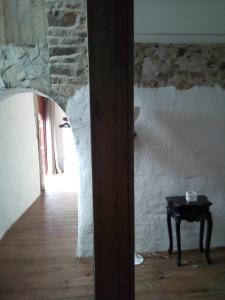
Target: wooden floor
{"type": "Point", "coordinates": [37, 262]}
{"type": "Point", "coordinates": [160, 279]}
{"type": "Point", "coordinates": [37, 254]}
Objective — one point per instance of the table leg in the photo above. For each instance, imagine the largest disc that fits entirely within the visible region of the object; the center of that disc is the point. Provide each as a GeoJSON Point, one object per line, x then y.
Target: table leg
{"type": "Point", "coordinates": [170, 250]}
{"type": "Point", "coordinates": [178, 242]}
{"type": "Point", "coordinates": [208, 238]}
{"type": "Point", "coordinates": [201, 237]}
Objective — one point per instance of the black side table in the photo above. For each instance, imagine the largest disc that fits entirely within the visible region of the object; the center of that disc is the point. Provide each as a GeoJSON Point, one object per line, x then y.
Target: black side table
{"type": "Point", "coordinates": [180, 209]}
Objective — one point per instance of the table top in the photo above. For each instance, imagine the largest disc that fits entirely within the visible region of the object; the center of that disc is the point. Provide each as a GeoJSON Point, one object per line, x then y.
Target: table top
{"type": "Point", "coordinates": [180, 201]}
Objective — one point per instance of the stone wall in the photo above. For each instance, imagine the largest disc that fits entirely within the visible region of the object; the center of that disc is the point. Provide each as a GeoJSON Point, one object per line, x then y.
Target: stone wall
{"type": "Point", "coordinates": [179, 65]}
{"type": "Point", "coordinates": [67, 42]}
{"type": "Point", "coordinates": [24, 67]}
{"type": "Point", "coordinates": [78, 110]}
{"type": "Point", "coordinates": [64, 70]}
{"type": "Point", "coordinates": [58, 68]}
{"type": "Point", "coordinates": [179, 146]}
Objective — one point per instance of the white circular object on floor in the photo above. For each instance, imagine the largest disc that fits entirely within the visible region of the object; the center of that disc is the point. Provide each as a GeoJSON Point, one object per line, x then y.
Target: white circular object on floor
{"type": "Point", "coordinates": [138, 259]}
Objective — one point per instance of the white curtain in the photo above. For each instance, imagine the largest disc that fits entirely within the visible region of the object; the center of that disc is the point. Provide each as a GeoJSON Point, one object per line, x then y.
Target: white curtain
{"type": "Point", "coordinates": [52, 158]}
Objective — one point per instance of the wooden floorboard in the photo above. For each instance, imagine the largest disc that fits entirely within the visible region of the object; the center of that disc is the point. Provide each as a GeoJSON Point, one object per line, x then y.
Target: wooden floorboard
{"type": "Point", "coordinates": [160, 279]}
{"type": "Point", "coordinates": [37, 262]}
{"type": "Point", "coordinates": [37, 254]}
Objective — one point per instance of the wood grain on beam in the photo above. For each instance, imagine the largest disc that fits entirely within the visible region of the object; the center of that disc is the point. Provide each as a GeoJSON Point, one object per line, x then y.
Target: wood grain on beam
{"type": "Point", "coordinates": [110, 26]}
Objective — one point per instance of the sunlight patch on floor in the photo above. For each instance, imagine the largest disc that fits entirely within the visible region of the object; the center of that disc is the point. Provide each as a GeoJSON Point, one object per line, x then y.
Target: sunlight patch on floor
{"type": "Point", "coordinates": [60, 183]}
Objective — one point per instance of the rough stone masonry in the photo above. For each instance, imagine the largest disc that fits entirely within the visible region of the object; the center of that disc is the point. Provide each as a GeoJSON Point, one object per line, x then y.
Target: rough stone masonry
{"type": "Point", "coordinates": [24, 67]}
{"type": "Point", "coordinates": [67, 42]}
{"type": "Point", "coordinates": [57, 68]}
{"type": "Point", "coordinates": [179, 65]}
{"type": "Point", "coordinates": [60, 67]}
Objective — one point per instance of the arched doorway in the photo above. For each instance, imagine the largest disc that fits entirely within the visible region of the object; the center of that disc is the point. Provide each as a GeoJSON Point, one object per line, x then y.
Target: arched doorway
{"type": "Point", "coordinates": [41, 245]}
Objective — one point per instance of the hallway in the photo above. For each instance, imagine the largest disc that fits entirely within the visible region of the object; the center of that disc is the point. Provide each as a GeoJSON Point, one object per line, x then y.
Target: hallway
{"type": "Point", "coordinates": [37, 254]}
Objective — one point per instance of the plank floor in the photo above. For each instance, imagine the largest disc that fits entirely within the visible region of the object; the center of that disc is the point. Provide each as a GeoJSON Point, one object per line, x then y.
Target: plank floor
{"type": "Point", "coordinates": [37, 262]}
{"type": "Point", "coordinates": [160, 279]}
{"type": "Point", "coordinates": [37, 254]}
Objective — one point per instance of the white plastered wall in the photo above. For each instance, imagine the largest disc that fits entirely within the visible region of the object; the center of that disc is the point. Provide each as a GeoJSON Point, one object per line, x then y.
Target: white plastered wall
{"type": "Point", "coordinates": [179, 146]}
{"type": "Point", "coordinates": [78, 111]}
{"type": "Point", "coordinates": [19, 166]}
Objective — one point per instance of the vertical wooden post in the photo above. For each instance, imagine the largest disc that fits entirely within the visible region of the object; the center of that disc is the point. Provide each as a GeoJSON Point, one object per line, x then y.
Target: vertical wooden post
{"type": "Point", "coordinates": [110, 27]}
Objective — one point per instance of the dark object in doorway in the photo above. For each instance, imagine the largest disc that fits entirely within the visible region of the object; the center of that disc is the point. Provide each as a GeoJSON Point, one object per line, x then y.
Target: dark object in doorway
{"type": "Point", "coordinates": [65, 124]}
{"type": "Point", "coordinates": [198, 211]}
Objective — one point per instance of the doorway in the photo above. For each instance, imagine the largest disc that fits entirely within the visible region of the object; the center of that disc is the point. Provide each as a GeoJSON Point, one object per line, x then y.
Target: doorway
{"type": "Point", "coordinates": [59, 171]}
{"type": "Point", "coordinates": [40, 229]}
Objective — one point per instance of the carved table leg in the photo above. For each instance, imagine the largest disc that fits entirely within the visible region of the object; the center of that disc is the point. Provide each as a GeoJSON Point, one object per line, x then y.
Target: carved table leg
{"type": "Point", "coordinates": [208, 238]}
{"type": "Point", "coordinates": [178, 242]}
{"type": "Point", "coordinates": [202, 226]}
{"type": "Point", "coordinates": [170, 233]}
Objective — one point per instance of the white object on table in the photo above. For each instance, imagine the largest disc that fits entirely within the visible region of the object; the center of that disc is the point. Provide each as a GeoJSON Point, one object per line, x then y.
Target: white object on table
{"type": "Point", "coordinates": [191, 196]}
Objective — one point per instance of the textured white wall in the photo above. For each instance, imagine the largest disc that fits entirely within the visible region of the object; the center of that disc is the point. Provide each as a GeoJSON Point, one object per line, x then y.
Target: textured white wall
{"type": "Point", "coordinates": [78, 111]}
{"type": "Point", "coordinates": [179, 146]}
{"type": "Point", "coordinates": [19, 166]}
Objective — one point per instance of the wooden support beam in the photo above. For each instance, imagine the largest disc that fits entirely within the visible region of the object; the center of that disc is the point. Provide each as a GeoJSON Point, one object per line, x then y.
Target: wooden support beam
{"type": "Point", "coordinates": [110, 26]}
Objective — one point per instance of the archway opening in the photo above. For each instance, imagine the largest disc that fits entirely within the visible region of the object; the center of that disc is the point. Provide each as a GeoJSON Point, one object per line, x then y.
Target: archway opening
{"type": "Point", "coordinates": [43, 239]}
